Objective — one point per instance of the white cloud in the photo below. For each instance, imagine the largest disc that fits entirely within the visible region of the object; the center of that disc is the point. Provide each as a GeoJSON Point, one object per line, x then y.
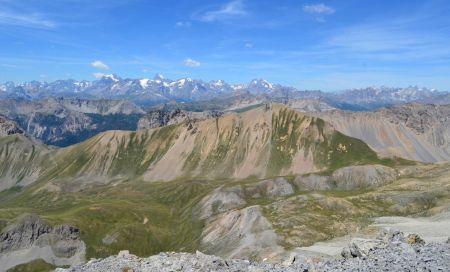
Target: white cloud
{"type": "Point", "coordinates": [230, 9]}
{"type": "Point", "coordinates": [99, 65]}
{"type": "Point", "coordinates": [318, 9]}
{"type": "Point", "coordinates": [191, 63]}
{"type": "Point", "coordinates": [32, 21]}
{"type": "Point", "coordinates": [98, 75]}
{"type": "Point", "coordinates": [182, 24]}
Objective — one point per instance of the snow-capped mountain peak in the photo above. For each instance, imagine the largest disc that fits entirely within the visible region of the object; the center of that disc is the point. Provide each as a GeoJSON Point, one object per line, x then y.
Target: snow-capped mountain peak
{"type": "Point", "coordinates": [112, 77]}
{"type": "Point", "coordinates": [144, 83]}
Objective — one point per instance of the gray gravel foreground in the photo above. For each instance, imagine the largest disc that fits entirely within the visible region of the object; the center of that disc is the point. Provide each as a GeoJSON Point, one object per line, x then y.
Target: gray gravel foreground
{"type": "Point", "coordinates": [392, 256]}
{"type": "Point", "coordinates": [432, 257]}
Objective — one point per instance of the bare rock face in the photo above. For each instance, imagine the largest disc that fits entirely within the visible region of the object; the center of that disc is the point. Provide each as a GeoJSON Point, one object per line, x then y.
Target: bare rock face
{"type": "Point", "coordinates": [413, 131]}
{"type": "Point", "coordinates": [242, 233]}
{"type": "Point", "coordinates": [65, 121]}
{"type": "Point", "coordinates": [348, 178]}
{"type": "Point", "coordinates": [8, 127]}
{"type": "Point", "coordinates": [221, 200]}
{"type": "Point", "coordinates": [365, 176]}
{"type": "Point", "coordinates": [160, 118]}
{"type": "Point", "coordinates": [314, 183]}
{"type": "Point", "coordinates": [270, 188]}
{"type": "Point", "coordinates": [30, 238]}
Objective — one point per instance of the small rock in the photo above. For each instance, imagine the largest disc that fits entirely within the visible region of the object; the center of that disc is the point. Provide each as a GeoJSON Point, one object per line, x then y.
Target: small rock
{"type": "Point", "coordinates": [414, 239]}
{"type": "Point", "coordinates": [124, 254]}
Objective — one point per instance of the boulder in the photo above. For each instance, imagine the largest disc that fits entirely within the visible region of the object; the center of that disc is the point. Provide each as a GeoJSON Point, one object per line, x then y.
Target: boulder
{"type": "Point", "coordinates": [359, 247]}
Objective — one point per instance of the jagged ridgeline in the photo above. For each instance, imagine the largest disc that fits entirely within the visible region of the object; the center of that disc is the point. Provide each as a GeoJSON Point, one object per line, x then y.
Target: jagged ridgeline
{"type": "Point", "coordinates": [263, 142]}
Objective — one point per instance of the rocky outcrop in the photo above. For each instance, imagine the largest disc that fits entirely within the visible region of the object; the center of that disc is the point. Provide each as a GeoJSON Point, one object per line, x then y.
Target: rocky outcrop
{"type": "Point", "coordinates": [242, 233]}
{"type": "Point", "coordinates": [270, 188]}
{"type": "Point", "coordinates": [348, 178]}
{"type": "Point", "coordinates": [374, 255]}
{"type": "Point", "coordinates": [160, 118]}
{"type": "Point", "coordinates": [30, 238]}
{"type": "Point", "coordinates": [365, 176]}
{"type": "Point", "coordinates": [314, 183]}
{"type": "Point", "coordinates": [8, 127]}
{"type": "Point", "coordinates": [359, 247]}
{"type": "Point", "coordinates": [221, 200]}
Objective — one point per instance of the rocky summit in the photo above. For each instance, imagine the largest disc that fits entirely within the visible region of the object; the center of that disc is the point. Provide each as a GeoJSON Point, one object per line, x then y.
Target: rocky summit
{"type": "Point", "coordinates": [390, 251]}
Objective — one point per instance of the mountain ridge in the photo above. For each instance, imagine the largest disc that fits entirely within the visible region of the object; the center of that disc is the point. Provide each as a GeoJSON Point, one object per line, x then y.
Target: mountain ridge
{"type": "Point", "coordinates": [159, 90]}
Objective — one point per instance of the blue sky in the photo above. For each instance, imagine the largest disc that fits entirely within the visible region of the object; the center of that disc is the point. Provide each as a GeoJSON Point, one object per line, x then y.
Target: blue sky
{"type": "Point", "coordinates": [328, 45]}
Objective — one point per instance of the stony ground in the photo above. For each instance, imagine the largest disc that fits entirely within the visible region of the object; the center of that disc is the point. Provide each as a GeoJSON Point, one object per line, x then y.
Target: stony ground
{"type": "Point", "coordinates": [391, 251]}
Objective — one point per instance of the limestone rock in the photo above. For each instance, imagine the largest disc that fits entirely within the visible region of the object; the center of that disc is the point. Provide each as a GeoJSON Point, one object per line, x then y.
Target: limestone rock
{"type": "Point", "coordinates": [314, 183]}
{"type": "Point", "coordinates": [241, 233]}
{"type": "Point", "coordinates": [270, 188]}
{"type": "Point", "coordinates": [221, 200]}
{"type": "Point", "coordinates": [8, 127]}
{"type": "Point", "coordinates": [30, 238]}
{"type": "Point", "coordinates": [365, 176]}
{"type": "Point", "coordinates": [160, 118]}
{"type": "Point", "coordinates": [359, 247]}
{"type": "Point", "coordinates": [390, 235]}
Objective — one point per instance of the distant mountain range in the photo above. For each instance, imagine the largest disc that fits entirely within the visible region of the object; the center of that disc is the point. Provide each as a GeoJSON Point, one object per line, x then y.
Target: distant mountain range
{"type": "Point", "coordinates": [65, 121]}
{"type": "Point", "coordinates": [159, 90]}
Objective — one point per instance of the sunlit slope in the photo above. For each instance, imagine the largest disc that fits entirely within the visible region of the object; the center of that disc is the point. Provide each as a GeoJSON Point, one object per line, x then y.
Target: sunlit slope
{"type": "Point", "coordinates": [266, 141]}
{"type": "Point", "coordinates": [22, 161]}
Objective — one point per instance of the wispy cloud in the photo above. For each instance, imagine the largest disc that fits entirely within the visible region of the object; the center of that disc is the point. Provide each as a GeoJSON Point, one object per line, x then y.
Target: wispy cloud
{"type": "Point", "coordinates": [191, 63]}
{"type": "Point", "coordinates": [389, 41]}
{"type": "Point", "coordinates": [99, 65]}
{"type": "Point", "coordinates": [181, 24]}
{"type": "Point", "coordinates": [229, 10]}
{"type": "Point", "coordinates": [25, 20]}
{"type": "Point", "coordinates": [318, 9]}
{"type": "Point", "coordinates": [249, 45]}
